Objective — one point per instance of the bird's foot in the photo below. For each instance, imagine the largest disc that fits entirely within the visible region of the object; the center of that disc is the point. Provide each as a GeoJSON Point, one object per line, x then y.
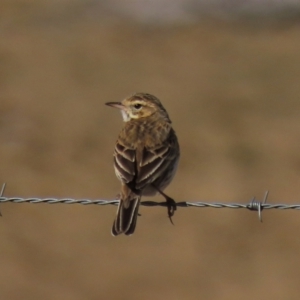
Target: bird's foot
{"type": "Point", "coordinates": [171, 205]}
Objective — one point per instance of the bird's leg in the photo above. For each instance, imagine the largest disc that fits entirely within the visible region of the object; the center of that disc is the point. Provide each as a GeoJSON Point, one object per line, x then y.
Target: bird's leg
{"type": "Point", "coordinates": [171, 204]}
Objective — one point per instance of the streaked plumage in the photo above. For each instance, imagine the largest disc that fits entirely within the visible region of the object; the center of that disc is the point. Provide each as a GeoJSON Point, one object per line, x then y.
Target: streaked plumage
{"type": "Point", "coordinates": [145, 157]}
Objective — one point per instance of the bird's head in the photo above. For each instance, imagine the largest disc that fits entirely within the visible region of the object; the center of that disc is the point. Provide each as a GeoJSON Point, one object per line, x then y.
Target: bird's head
{"type": "Point", "coordinates": [138, 106]}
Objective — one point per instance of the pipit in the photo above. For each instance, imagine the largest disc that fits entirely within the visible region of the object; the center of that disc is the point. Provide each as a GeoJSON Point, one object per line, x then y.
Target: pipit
{"type": "Point", "coordinates": [146, 156]}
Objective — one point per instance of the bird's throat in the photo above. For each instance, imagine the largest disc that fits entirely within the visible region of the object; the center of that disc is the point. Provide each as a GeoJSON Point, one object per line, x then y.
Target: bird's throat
{"type": "Point", "coordinates": [125, 116]}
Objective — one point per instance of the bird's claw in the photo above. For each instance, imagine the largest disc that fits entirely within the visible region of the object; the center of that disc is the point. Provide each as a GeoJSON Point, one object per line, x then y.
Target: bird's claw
{"type": "Point", "coordinates": [171, 204]}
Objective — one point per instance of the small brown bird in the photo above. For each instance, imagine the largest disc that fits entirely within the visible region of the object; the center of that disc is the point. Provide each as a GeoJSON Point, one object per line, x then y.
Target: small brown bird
{"type": "Point", "coordinates": [145, 158]}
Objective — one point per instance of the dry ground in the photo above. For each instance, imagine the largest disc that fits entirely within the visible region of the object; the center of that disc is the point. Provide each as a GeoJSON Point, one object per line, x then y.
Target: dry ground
{"type": "Point", "coordinates": [232, 91]}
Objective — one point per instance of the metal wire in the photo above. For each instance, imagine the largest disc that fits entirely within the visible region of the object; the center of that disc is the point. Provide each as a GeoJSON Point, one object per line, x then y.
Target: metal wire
{"type": "Point", "coordinates": [147, 203]}
{"type": "Point", "coordinates": [254, 205]}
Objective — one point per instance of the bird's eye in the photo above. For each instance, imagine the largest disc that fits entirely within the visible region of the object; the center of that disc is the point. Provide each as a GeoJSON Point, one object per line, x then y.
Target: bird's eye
{"type": "Point", "coordinates": [137, 106]}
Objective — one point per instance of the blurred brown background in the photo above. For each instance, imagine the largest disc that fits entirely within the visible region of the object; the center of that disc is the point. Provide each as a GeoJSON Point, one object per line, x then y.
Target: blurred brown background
{"type": "Point", "coordinates": [231, 85]}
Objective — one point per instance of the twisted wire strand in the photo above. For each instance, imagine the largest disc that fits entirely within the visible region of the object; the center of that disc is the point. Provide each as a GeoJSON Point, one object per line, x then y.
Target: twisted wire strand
{"type": "Point", "coordinates": [149, 203]}
{"type": "Point", "coordinates": [254, 205]}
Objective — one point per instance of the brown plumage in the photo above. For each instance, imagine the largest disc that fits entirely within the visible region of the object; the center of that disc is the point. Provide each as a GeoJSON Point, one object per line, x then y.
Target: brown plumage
{"type": "Point", "coordinates": [145, 157]}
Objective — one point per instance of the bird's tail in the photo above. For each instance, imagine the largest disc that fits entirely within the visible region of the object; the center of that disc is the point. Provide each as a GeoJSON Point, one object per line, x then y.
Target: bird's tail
{"type": "Point", "coordinates": [127, 213]}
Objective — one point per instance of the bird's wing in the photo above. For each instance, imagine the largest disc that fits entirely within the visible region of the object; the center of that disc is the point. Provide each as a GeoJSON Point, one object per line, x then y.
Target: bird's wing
{"type": "Point", "coordinates": [125, 163]}
{"type": "Point", "coordinates": [154, 162]}
{"type": "Point", "coordinates": [140, 167]}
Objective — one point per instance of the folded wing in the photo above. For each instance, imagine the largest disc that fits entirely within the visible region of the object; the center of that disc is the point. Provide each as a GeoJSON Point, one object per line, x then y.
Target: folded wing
{"type": "Point", "coordinates": [137, 171]}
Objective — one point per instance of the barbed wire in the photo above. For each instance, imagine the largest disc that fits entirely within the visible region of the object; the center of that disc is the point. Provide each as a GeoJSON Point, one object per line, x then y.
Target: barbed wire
{"type": "Point", "coordinates": [253, 205]}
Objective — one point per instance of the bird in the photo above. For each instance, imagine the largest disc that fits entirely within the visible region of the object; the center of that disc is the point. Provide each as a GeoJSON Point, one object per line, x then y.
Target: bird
{"type": "Point", "coordinates": [146, 157]}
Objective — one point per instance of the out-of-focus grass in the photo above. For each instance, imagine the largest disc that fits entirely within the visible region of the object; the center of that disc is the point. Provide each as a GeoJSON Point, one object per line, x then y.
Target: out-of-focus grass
{"type": "Point", "coordinates": [232, 91]}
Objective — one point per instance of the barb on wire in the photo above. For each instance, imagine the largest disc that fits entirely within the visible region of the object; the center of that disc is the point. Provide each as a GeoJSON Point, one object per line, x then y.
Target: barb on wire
{"type": "Point", "coordinates": [253, 205]}
{"type": "Point", "coordinates": [258, 206]}
{"type": "Point", "coordinates": [1, 193]}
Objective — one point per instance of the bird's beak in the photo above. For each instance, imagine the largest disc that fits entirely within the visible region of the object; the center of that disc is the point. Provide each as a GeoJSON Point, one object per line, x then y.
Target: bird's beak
{"type": "Point", "coordinates": [122, 108]}
{"type": "Point", "coordinates": [116, 105]}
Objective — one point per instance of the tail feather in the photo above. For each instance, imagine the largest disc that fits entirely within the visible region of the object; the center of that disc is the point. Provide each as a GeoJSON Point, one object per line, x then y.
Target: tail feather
{"type": "Point", "coordinates": [126, 218]}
